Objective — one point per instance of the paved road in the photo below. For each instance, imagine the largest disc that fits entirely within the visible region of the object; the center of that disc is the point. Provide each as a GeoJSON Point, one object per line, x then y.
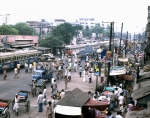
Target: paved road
{"type": "Point", "coordinates": [11, 86]}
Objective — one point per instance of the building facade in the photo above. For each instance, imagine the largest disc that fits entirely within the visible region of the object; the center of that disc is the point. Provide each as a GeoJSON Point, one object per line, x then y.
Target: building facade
{"type": "Point", "coordinates": [18, 41]}
{"type": "Point", "coordinates": [90, 22]}
{"type": "Point", "coordinates": [148, 26]}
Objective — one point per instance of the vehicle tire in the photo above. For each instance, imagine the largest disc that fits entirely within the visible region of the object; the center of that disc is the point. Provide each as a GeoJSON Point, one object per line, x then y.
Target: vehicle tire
{"type": "Point", "coordinates": [7, 114]}
{"type": "Point", "coordinates": [28, 106]}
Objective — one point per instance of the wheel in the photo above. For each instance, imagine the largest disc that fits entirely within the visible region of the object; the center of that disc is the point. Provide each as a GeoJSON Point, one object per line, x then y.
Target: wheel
{"type": "Point", "coordinates": [28, 106]}
{"type": "Point", "coordinates": [7, 114]}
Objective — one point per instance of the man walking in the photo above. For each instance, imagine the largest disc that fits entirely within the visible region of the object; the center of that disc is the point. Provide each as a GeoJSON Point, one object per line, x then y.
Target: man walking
{"type": "Point", "coordinates": [80, 71]}
{"type": "Point", "coordinates": [54, 87]}
{"type": "Point", "coordinates": [112, 100]}
{"type": "Point", "coordinates": [5, 74]}
{"type": "Point", "coordinates": [40, 101]}
{"type": "Point", "coordinates": [16, 73]}
{"type": "Point", "coordinates": [90, 76]}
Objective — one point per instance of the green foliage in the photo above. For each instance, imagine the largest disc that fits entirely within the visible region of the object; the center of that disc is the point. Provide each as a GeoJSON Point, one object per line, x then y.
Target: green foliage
{"type": "Point", "coordinates": [65, 30]}
{"type": "Point", "coordinates": [7, 29]}
{"type": "Point", "coordinates": [87, 32]}
{"type": "Point", "coordinates": [51, 41]}
{"type": "Point", "coordinates": [97, 29]}
{"type": "Point", "coordinates": [77, 28]}
{"type": "Point", "coordinates": [24, 29]}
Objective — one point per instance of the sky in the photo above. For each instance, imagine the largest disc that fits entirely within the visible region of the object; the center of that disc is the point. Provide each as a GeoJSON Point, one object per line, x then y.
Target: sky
{"type": "Point", "coordinates": [132, 13]}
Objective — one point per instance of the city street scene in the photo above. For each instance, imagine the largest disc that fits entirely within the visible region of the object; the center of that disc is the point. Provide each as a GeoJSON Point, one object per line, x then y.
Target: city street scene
{"type": "Point", "coordinates": [95, 66]}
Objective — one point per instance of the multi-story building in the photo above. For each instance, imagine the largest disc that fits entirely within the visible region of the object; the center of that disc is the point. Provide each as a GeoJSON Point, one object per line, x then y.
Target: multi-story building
{"type": "Point", "coordinates": [148, 26]}
{"type": "Point", "coordinates": [43, 27]}
{"type": "Point", "coordinates": [90, 22]}
{"type": "Point", "coordinates": [56, 22]}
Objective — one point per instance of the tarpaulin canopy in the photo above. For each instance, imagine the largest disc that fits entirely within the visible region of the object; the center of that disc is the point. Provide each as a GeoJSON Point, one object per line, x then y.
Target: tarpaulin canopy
{"type": "Point", "coordinates": [99, 105]}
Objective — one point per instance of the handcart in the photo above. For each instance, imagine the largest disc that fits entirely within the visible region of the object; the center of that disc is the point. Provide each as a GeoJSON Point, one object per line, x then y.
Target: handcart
{"type": "Point", "coordinates": [4, 106]}
{"type": "Point", "coordinates": [23, 99]}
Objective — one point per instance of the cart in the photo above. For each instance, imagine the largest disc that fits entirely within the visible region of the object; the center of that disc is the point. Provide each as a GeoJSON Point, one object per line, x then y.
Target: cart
{"type": "Point", "coordinates": [4, 106]}
{"type": "Point", "coordinates": [23, 100]}
{"type": "Point", "coordinates": [39, 87]}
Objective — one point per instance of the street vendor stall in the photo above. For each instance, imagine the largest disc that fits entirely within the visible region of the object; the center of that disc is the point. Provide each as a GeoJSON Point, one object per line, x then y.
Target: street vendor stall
{"type": "Point", "coordinates": [71, 104]}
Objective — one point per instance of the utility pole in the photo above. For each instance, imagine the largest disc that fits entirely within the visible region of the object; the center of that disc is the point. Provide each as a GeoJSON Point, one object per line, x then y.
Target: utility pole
{"type": "Point", "coordinates": [126, 44]}
{"type": "Point", "coordinates": [120, 39]}
{"type": "Point", "coordinates": [111, 26]}
{"type": "Point", "coordinates": [6, 22]}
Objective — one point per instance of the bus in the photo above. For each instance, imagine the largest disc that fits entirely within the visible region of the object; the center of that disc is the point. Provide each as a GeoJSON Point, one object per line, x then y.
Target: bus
{"type": "Point", "coordinates": [7, 60]}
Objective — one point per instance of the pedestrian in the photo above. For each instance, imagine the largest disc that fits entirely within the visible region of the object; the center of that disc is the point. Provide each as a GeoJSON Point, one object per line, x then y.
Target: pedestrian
{"type": "Point", "coordinates": [52, 80]}
{"type": "Point", "coordinates": [49, 110]}
{"type": "Point", "coordinates": [5, 74]}
{"type": "Point", "coordinates": [16, 73]}
{"type": "Point", "coordinates": [45, 92]}
{"type": "Point", "coordinates": [34, 66]}
{"type": "Point", "coordinates": [69, 75]}
{"type": "Point", "coordinates": [80, 71]}
{"type": "Point", "coordinates": [84, 75]}
{"type": "Point", "coordinates": [121, 99]}
{"type": "Point", "coordinates": [16, 106]}
{"type": "Point", "coordinates": [26, 68]}
{"type": "Point", "coordinates": [34, 88]}
{"type": "Point", "coordinates": [54, 87]}
{"type": "Point", "coordinates": [30, 67]}
{"type": "Point", "coordinates": [125, 92]}
{"type": "Point", "coordinates": [123, 109]}
{"type": "Point", "coordinates": [116, 93]}
{"type": "Point", "coordinates": [66, 81]}
{"type": "Point", "coordinates": [18, 67]}
{"type": "Point", "coordinates": [62, 94]}
{"type": "Point", "coordinates": [75, 67]}
{"type": "Point", "coordinates": [119, 115]}
{"type": "Point", "coordinates": [109, 115]}
{"type": "Point", "coordinates": [40, 102]}
{"type": "Point", "coordinates": [66, 71]}
{"type": "Point", "coordinates": [112, 100]}
{"type": "Point", "coordinates": [90, 94]}
{"type": "Point", "coordinates": [90, 77]}
{"type": "Point", "coordinates": [53, 102]}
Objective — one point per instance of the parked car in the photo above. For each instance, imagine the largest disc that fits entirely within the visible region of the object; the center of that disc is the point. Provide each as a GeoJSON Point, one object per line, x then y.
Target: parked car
{"type": "Point", "coordinates": [43, 75]}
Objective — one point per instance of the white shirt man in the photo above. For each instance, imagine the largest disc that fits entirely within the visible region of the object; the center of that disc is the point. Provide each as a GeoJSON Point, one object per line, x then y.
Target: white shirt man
{"type": "Point", "coordinates": [119, 91]}
{"type": "Point", "coordinates": [40, 98]}
{"type": "Point", "coordinates": [121, 99]}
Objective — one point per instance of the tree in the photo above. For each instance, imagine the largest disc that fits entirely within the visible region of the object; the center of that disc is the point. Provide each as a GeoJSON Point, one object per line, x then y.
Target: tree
{"type": "Point", "coordinates": [87, 32]}
{"type": "Point", "coordinates": [97, 29]}
{"type": "Point", "coordinates": [51, 41]}
{"type": "Point", "coordinates": [65, 30]}
{"type": "Point", "coordinates": [77, 28]}
{"type": "Point", "coordinates": [7, 29]}
{"type": "Point", "coordinates": [24, 29]}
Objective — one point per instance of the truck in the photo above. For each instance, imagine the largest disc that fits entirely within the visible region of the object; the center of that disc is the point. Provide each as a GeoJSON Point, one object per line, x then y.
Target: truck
{"type": "Point", "coordinates": [43, 75]}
